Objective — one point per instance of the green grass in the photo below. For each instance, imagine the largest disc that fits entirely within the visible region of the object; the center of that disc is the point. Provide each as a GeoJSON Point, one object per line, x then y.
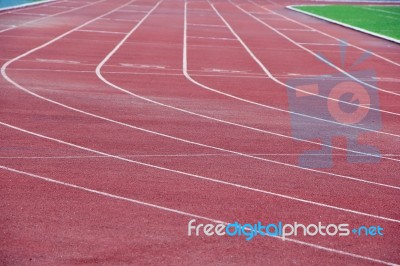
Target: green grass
{"type": "Point", "coordinates": [384, 20]}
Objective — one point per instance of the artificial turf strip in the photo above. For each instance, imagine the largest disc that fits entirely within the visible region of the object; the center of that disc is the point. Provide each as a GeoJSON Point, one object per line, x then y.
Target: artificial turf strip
{"type": "Point", "coordinates": [15, 3]}
{"type": "Point", "coordinates": [383, 20]}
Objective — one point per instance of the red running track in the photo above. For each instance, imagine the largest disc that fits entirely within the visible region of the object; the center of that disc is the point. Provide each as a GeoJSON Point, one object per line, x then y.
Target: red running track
{"type": "Point", "coordinates": [121, 121]}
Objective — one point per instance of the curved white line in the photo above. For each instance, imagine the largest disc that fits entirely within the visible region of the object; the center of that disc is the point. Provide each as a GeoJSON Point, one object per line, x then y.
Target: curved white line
{"type": "Point", "coordinates": [154, 166]}
{"type": "Point", "coordinates": [318, 204]}
{"type": "Point", "coordinates": [3, 70]}
{"type": "Point", "coordinates": [266, 71]}
{"type": "Point", "coordinates": [49, 16]}
{"type": "Point", "coordinates": [320, 58]}
{"type": "Point", "coordinates": [324, 33]}
{"type": "Point", "coordinates": [200, 176]}
{"type": "Point", "coordinates": [102, 78]}
{"type": "Point", "coordinates": [186, 74]}
{"type": "Point", "coordinates": [98, 72]}
{"type": "Point", "coordinates": [159, 207]}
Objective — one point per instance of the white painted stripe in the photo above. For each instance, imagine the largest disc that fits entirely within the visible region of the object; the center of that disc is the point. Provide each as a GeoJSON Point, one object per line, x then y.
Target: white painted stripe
{"type": "Point", "coordinates": [379, 10]}
{"type": "Point", "coordinates": [110, 120]}
{"type": "Point", "coordinates": [30, 14]}
{"type": "Point", "coordinates": [58, 61]}
{"type": "Point", "coordinates": [143, 65]}
{"type": "Point", "coordinates": [202, 73]}
{"type": "Point", "coordinates": [54, 15]}
{"type": "Point", "coordinates": [351, 27]}
{"type": "Point", "coordinates": [260, 13]}
{"type": "Point", "coordinates": [224, 70]}
{"type": "Point", "coordinates": [271, 76]}
{"type": "Point", "coordinates": [297, 199]}
{"type": "Point", "coordinates": [309, 51]}
{"type": "Point", "coordinates": [176, 211]}
{"type": "Point", "coordinates": [101, 31]}
{"type": "Point", "coordinates": [316, 43]}
{"type": "Point", "coordinates": [101, 77]}
{"type": "Point", "coordinates": [133, 11]}
{"type": "Point", "coordinates": [311, 244]}
{"type": "Point", "coordinates": [295, 29]}
{"type": "Point", "coordinates": [211, 38]}
{"type": "Point", "coordinates": [120, 19]}
{"type": "Point", "coordinates": [206, 25]}
{"type": "Point", "coordinates": [54, 6]}
{"type": "Point", "coordinates": [8, 26]}
{"type": "Point", "coordinates": [325, 34]}
{"type": "Point", "coordinates": [187, 155]}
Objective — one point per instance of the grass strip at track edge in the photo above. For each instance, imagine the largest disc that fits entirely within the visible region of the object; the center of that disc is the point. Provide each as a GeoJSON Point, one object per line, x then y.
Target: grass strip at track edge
{"type": "Point", "coordinates": [25, 5]}
{"type": "Point", "coordinates": [294, 8]}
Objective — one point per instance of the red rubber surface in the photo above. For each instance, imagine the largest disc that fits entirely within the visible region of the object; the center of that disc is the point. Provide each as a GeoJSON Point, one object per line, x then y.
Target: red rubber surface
{"type": "Point", "coordinates": [157, 135]}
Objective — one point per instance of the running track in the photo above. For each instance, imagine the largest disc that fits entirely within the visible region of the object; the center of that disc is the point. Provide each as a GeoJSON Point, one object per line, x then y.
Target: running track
{"type": "Point", "coordinates": [121, 120]}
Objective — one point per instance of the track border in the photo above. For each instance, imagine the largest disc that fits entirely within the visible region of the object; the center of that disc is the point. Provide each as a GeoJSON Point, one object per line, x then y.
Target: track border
{"type": "Point", "coordinates": [26, 5]}
{"type": "Point", "coordinates": [345, 25]}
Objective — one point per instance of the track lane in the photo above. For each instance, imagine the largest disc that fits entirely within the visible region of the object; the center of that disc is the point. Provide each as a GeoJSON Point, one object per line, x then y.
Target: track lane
{"type": "Point", "coordinates": [111, 229]}
{"type": "Point", "coordinates": [303, 21]}
{"type": "Point", "coordinates": [100, 182]}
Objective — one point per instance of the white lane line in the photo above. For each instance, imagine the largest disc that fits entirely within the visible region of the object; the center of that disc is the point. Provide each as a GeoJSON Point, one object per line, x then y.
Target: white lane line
{"type": "Point", "coordinates": [200, 10]}
{"type": "Point", "coordinates": [271, 76]}
{"type": "Point", "coordinates": [132, 11]}
{"type": "Point", "coordinates": [142, 65]}
{"type": "Point", "coordinates": [285, 85]}
{"type": "Point", "coordinates": [278, 195]}
{"type": "Point", "coordinates": [65, 7]}
{"type": "Point", "coordinates": [185, 155]}
{"type": "Point", "coordinates": [7, 26]}
{"type": "Point", "coordinates": [57, 61]}
{"type": "Point", "coordinates": [211, 38]}
{"type": "Point", "coordinates": [346, 25]}
{"type": "Point", "coordinates": [179, 212]}
{"type": "Point", "coordinates": [316, 43]}
{"type": "Point", "coordinates": [285, 29]}
{"type": "Point", "coordinates": [259, 13]}
{"type": "Point", "coordinates": [324, 33]}
{"type": "Point", "coordinates": [4, 67]}
{"type": "Point", "coordinates": [314, 245]}
{"type": "Point", "coordinates": [153, 166]}
{"type": "Point", "coordinates": [310, 52]}
{"type": "Point", "coordinates": [120, 19]}
{"type": "Point", "coordinates": [98, 70]}
{"type": "Point", "coordinates": [225, 71]}
{"type": "Point", "coordinates": [30, 14]}
{"type": "Point", "coordinates": [379, 10]}
{"type": "Point", "coordinates": [101, 31]}
{"type": "Point", "coordinates": [110, 120]}
{"type": "Point", "coordinates": [101, 77]}
{"type": "Point", "coordinates": [206, 25]}
{"type": "Point", "coordinates": [195, 73]}
{"type": "Point", "coordinates": [50, 16]}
